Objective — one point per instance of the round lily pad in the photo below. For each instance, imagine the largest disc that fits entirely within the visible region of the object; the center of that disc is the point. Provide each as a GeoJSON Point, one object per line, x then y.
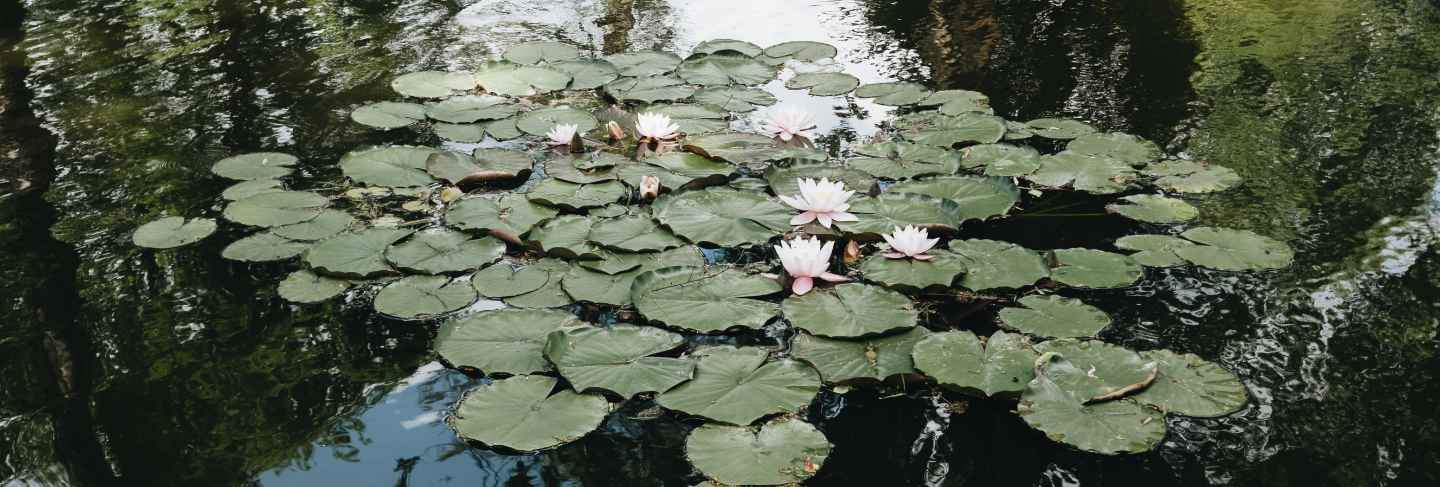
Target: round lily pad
{"type": "Point", "coordinates": [512, 79]}
{"type": "Point", "coordinates": [539, 122]}
{"type": "Point", "coordinates": [540, 52]}
{"type": "Point", "coordinates": [503, 280]}
{"type": "Point", "coordinates": [823, 84]}
{"type": "Point", "coordinates": [649, 90]}
{"type": "Point", "coordinates": [307, 287]}
{"type": "Point", "coordinates": [423, 296]}
{"type": "Point", "coordinates": [618, 359]}
{"type": "Point", "coordinates": [471, 108]}
{"type": "Point", "coordinates": [395, 166]}
{"type": "Point", "coordinates": [724, 69]}
{"type": "Point", "coordinates": [903, 160]}
{"type": "Point", "coordinates": [955, 102]}
{"type": "Point", "coordinates": [801, 51]}
{"type": "Point", "coordinates": [275, 209]}
{"type": "Point", "coordinates": [173, 231]}
{"type": "Point", "coordinates": [565, 236]}
{"type": "Point", "coordinates": [1001, 159]}
{"type": "Point", "coordinates": [784, 451]}
{"type": "Point", "coordinates": [502, 341]}
{"type": "Point", "coordinates": [555, 192]}
{"type": "Point", "coordinates": [1108, 368]}
{"type": "Point", "coordinates": [998, 366]}
{"type": "Point", "coordinates": [881, 214]}
{"type": "Point", "coordinates": [588, 74]}
{"type": "Point", "coordinates": [913, 274]}
{"type": "Point", "coordinates": [356, 254]}
{"type": "Point", "coordinates": [388, 114]}
{"type": "Point", "coordinates": [511, 214]}
{"type": "Point", "coordinates": [644, 63]}
{"type": "Point", "coordinates": [330, 223]}
{"type": "Point", "coordinates": [1095, 269]}
{"type": "Point", "coordinates": [1192, 386]}
{"type": "Point", "coordinates": [1125, 148]}
{"type": "Point", "coordinates": [946, 131]}
{"type": "Point", "coordinates": [550, 295]}
{"type": "Point", "coordinates": [637, 233]}
{"type": "Point", "coordinates": [738, 99]}
{"type": "Point", "coordinates": [1091, 174]}
{"type": "Point", "coordinates": [737, 148]}
{"type": "Point", "coordinates": [723, 216]}
{"type": "Point", "coordinates": [1234, 250]}
{"type": "Point", "coordinates": [1056, 402]}
{"type": "Point", "coordinates": [521, 414]}
{"type": "Point", "coordinates": [851, 310]}
{"type": "Point", "coordinates": [704, 300]}
{"type": "Point", "coordinates": [432, 84]}
{"type": "Point", "coordinates": [718, 45]}
{"type": "Point", "coordinates": [594, 283]}
{"type": "Point", "coordinates": [979, 198]}
{"type": "Point", "coordinates": [786, 180]}
{"type": "Point", "coordinates": [1055, 317]}
{"type": "Point", "coordinates": [1192, 177]}
{"type": "Point", "coordinates": [1151, 208]}
{"type": "Point", "coordinates": [568, 170]}
{"type": "Point", "coordinates": [1017, 131]}
{"type": "Point", "coordinates": [1154, 250]}
{"type": "Point", "coordinates": [1059, 128]}
{"type": "Point", "coordinates": [677, 170]}
{"type": "Point", "coordinates": [992, 264]}
{"type": "Point", "coordinates": [485, 165]}
{"type": "Point", "coordinates": [898, 93]}
{"type": "Point", "coordinates": [259, 165]}
{"type": "Point", "coordinates": [246, 189]}
{"type": "Point", "coordinates": [739, 385]}
{"type": "Point", "coordinates": [441, 251]}
{"type": "Point", "coordinates": [263, 247]}
{"type": "Point", "coordinates": [874, 358]}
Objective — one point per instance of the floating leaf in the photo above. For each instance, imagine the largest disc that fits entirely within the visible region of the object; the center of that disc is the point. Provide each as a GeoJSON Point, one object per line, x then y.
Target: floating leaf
{"type": "Point", "coordinates": [441, 251]}
{"type": "Point", "coordinates": [512, 215]}
{"type": "Point", "coordinates": [1192, 177]}
{"type": "Point", "coordinates": [734, 98]}
{"type": "Point", "coordinates": [356, 254]}
{"type": "Point", "coordinates": [901, 160]}
{"type": "Point", "coordinates": [421, 296]}
{"type": "Point", "coordinates": [1097, 175]}
{"type": "Point", "coordinates": [330, 223]}
{"type": "Point", "coordinates": [432, 84]}
{"type": "Point", "coordinates": [259, 165]}
{"type": "Point", "coordinates": [1151, 208]}
{"type": "Point", "coordinates": [1055, 317]}
{"type": "Point", "coordinates": [588, 74]}
{"type": "Point", "coordinates": [486, 165]}
{"type": "Point", "coordinates": [725, 69]}
{"type": "Point", "coordinates": [649, 90]}
{"type": "Point", "coordinates": [784, 451]}
{"type": "Point", "coordinates": [565, 169]}
{"type": "Point", "coordinates": [1056, 402]}
{"type": "Point", "coordinates": [801, 51]}
{"type": "Point", "coordinates": [502, 341]}
{"type": "Point", "coordinates": [599, 286]}
{"type": "Point", "coordinates": [638, 233]}
{"type": "Point", "coordinates": [679, 170]}
{"type": "Point", "coordinates": [1234, 250]}
{"type": "Point", "coordinates": [395, 166]}
{"type": "Point", "coordinates": [1059, 128]}
{"type": "Point", "coordinates": [1154, 250]}
{"type": "Point", "coordinates": [955, 102]}
{"type": "Point", "coordinates": [1125, 148]}
{"type": "Point", "coordinates": [388, 114]}
{"type": "Point", "coordinates": [874, 358]}
{"type": "Point", "coordinates": [738, 386]}
{"type": "Point", "coordinates": [992, 264]}
{"type": "Point", "coordinates": [704, 300]}
{"type": "Point", "coordinates": [573, 196]}
{"type": "Point", "coordinates": [618, 359]}
{"type": "Point", "coordinates": [1001, 159]}
{"type": "Point", "coordinates": [263, 247]}
{"type": "Point", "coordinates": [1095, 269]}
{"type": "Point", "coordinates": [1017, 131]}
{"type": "Point", "coordinates": [717, 45]}
{"type": "Point", "coordinates": [275, 209]}
{"type": "Point", "coordinates": [644, 63]}
{"type": "Point", "coordinates": [519, 80]}
{"type": "Point", "coordinates": [504, 129]}
{"type": "Point", "coordinates": [549, 295]}
{"type": "Point", "coordinates": [693, 119]}
{"type": "Point", "coordinates": [306, 287]}
{"type": "Point", "coordinates": [979, 198]}
{"type": "Point", "coordinates": [565, 236]}
{"type": "Point", "coordinates": [1192, 386]}
{"type": "Point", "coordinates": [786, 180]}
{"type": "Point", "coordinates": [881, 214]}
{"type": "Point", "coordinates": [851, 310]}
{"type": "Point", "coordinates": [998, 366]}
{"type": "Point", "coordinates": [898, 93]}
{"type": "Point", "coordinates": [911, 274]}
{"type": "Point", "coordinates": [504, 281]}
{"type": "Point", "coordinates": [823, 84]}
{"type": "Point", "coordinates": [520, 413]}
{"type": "Point", "coordinates": [173, 231]}
{"type": "Point", "coordinates": [539, 122]}
{"type": "Point", "coordinates": [945, 131]}
{"type": "Point", "coordinates": [471, 108]}
{"type": "Point", "coordinates": [723, 216]}
{"type": "Point", "coordinates": [540, 52]}
{"type": "Point", "coordinates": [468, 133]}
{"type": "Point", "coordinates": [246, 189]}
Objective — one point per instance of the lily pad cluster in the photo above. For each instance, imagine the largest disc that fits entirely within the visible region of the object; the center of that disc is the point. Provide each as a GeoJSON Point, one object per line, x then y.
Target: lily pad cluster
{"type": "Point", "coordinates": [503, 245]}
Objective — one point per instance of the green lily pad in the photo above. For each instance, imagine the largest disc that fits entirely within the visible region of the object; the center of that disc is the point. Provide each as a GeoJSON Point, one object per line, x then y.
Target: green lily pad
{"type": "Point", "coordinates": [570, 171]}
{"type": "Point", "coordinates": [1095, 269]}
{"type": "Point", "coordinates": [1001, 159]}
{"type": "Point", "coordinates": [739, 385]}
{"type": "Point", "coordinates": [881, 214]}
{"type": "Point", "coordinates": [588, 74]}
{"type": "Point", "coordinates": [1017, 131]}
{"type": "Point", "coordinates": [1192, 177]}
{"type": "Point", "coordinates": [724, 69]}
{"type": "Point", "coordinates": [786, 180]}
{"type": "Point", "coordinates": [246, 189]}
{"type": "Point", "coordinates": [259, 165]}
{"type": "Point", "coordinates": [997, 367]}
{"type": "Point", "coordinates": [462, 132]}
{"type": "Point", "coordinates": [911, 274]}
{"type": "Point", "coordinates": [722, 216]}
{"type": "Point", "coordinates": [395, 166]}
{"type": "Point", "coordinates": [521, 414]}
{"type": "Point", "coordinates": [823, 84]}
{"type": "Point", "coordinates": [1151, 208]}
{"type": "Point", "coordinates": [432, 84]}
{"type": "Point", "coordinates": [678, 170]}
{"type": "Point", "coordinates": [738, 99]}
{"type": "Point", "coordinates": [263, 247]}
{"type": "Point", "coordinates": [388, 114]}
{"type": "Point", "coordinates": [597, 286]}
{"type": "Point", "coordinates": [552, 293]}
{"type": "Point", "coordinates": [485, 165]}
{"type": "Point", "coordinates": [1234, 250]}
{"type": "Point", "coordinates": [875, 358]}
{"type": "Point", "coordinates": [902, 160]}
{"type": "Point", "coordinates": [540, 52]}
{"type": "Point", "coordinates": [898, 93]}
{"type": "Point", "coordinates": [851, 310]}
{"type": "Point", "coordinates": [1055, 317]}
{"type": "Point", "coordinates": [356, 254]}
{"type": "Point", "coordinates": [618, 359]}
{"type": "Point", "coordinates": [173, 231]}
{"type": "Point", "coordinates": [539, 122]}
{"type": "Point", "coordinates": [504, 281]}
{"type": "Point", "coordinates": [638, 233]}
{"type": "Point", "coordinates": [801, 51]}
{"type": "Point", "coordinates": [510, 214]}
{"type": "Point", "coordinates": [307, 287]}
{"type": "Point", "coordinates": [704, 300]}
{"type": "Point", "coordinates": [1107, 368]}
{"type": "Point", "coordinates": [955, 102]}
{"type": "Point", "coordinates": [504, 129]}
{"type": "Point", "coordinates": [512, 79]}
{"type": "Point", "coordinates": [275, 209]}
{"type": "Point", "coordinates": [565, 236]}
{"type": "Point", "coordinates": [693, 119]}
{"type": "Point", "coordinates": [649, 90]}
{"type": "Point", "coordinates": [610, 262]}
{"type": "Point", "coordinates": [737, 148]}
{"type": "Point", "coordinates": [502, 341]}
{"type": "Point", "coordinates": [1097, 175]}
{"type": "Point", "coordinates": [471, 108]}
{"type": "Point", "coordinates": [422, 296]}
{"type": "Point", "coordinates": [644, 63]}
{"type": "Point", "coordinates": [441, 251]}
{"type": "Point", "coordinates": [555, 192]}
{"type": "Point", "coordinates": [713, 46]}
{"type": "Point", "coordinates": [946, 131]}
{"type": "Point", "coordinates": [1154, 250]}
{"type": "Point", "coordinates": [992, 264]}
{"type": "Point", "coordinates": [1055, 403]}
{"type": "Point", "coordinates": [329, 224]}
{"type": "Point", "coordinates": [1059, 128]}
{"type": "Point", "coordinates": [979, 198]}
{"type": "Point", "coordinates": [784, 451]}
{"type": "Point", "coordinates": [1192, 386]}
{"type": "Point", "coordinates": [1125, 148]}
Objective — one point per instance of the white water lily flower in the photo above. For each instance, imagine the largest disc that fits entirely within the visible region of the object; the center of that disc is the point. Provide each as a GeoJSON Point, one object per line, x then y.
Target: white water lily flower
{"type": "Point", "coordinates": [656, 126]}
{"type": "Point", "coordinates": [562, 134]}
{"type": "Point", "coordinates": [910, 242]}
{"type": "Point", "coordinates": [789, 122]}
{"type": "Point", "coordinates": [822, 200]}
{"type": "Point", "coordinates": [806, 260]}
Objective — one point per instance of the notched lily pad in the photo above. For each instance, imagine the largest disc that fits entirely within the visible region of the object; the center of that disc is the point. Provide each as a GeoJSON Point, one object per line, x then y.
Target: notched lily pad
{"type": "Point", "coordinates": [263, 247]}
{"type": "Point", "coordinates": [395, 166]}
{"type": "Point", "coordinates": [521, 414]}
{"type": "Point", "coordinates": [783, 451]}
{"type": "Point", "coordinates": [618, 359]}
{"type": "Point", "coordinates": [800, 51]}
{"type": "Point", "coordinates": [1122, 147]}
{"type": "Point", "coordinates": [1154, 250]}
{"type": "Point", "coordinates": [734, 98]}
{"type": "Point", "coordinates": [1055, 317]}
{"type": "Point", "coordinates": [704, 300]}
{"type": "Point", "coordinates": [541, 52]}
{"type": "Point", "coordinates": [1192, 177]}
{"type": "Point", "coordinates": [1059, 128]}
{"type": "Point", "coordinates": [1151, 208]}
{"type": "Point", "coordinates": [649, 90]}
{"type": "Point", "coordinates": [423, 296]}
{"type": "Point", "coordinates": [1057, 402]}
{"type": "Point", "coordinates": [723, 216]}
{"type": "Point", "coordinates": [851, 310]}
{"type": "Point", "coordinates": [979, 198]}
{"type": "Point", "coordinates": [502, 341]}
{"type": "Point", "coordinates": [911, 274]}
{"type": "Point", "coordinates": [874, 358]}
{"type": "Point", "coordinates": [1091, 174]}
{"type": "Point", "coordinates": [740, 385]}
{"type": "Point", "coordinates": [1095, 269]}
{"type": "Point", "coordinates": [786, 180]}
{"type": "Point", "coordinates": [388, 114]}
{"type": "Point", "coordinates": [955, 102]}
{"type": "Point", "coordinates": [512, 79]}
{"type": "Point", "coordinates": [539, 122]}
{"type": "Point", "coordinates": [555, 192]}
{"type": "Point", "coordinates": [329, 224]}
{"type": "Point", "coordinates": [823, 84]}
{"type": "Point", "coordinates": [246, 189]}
{"type": "Point", "coordinates": [444, 251]}
{"type": "Point", "coordinates": [259, 165]}
{"type": "Point", "coordinates": [485, 165]}
{"type": "Point", "coordinates": [902, 160]}
{"type": "Point", "coordinates": [881, 214]}
{"type": "Point", "coordinates": [358, 255]}
{"type": "Point", "coordinates": [999, 366]}
{"type": "Point", "coordinates": [725, 69]}
{"type": "Point", "coordinates": [503, 280]}
{"type": "Point", "coordinates": [946, 131]}
{"type": "Point", "coordinates": [511, 215]}
{"type": "Point", "coordinates": [637, 233]}
{"type": "Point", "coordinates": [588, 74]}
{"type": "Point", "coordinates": [897, 93]}
{"type": "Point", "coordinates": [644, 63]}
{"type": "Point", "coordinates": [1234, 250]}
{"type": "Point", "coordinates": [307, 287]}
{"type": "Point", "coordinates": [276, 209]}
{"type": "Point", "coordinates": [992, 264]}
{"type": "Point", "coordinates": [1192, 386]}
{"type": "Point", "coordinates": [471, 108]}
{"type": "Point", "coordinates": [432, 84]}
{"type": "Point", "coordinates": [1001, 159]}
{"type": "Point", "coordinates": [720, 45]}
{"type": "Point", "coordinates": [173, 231]}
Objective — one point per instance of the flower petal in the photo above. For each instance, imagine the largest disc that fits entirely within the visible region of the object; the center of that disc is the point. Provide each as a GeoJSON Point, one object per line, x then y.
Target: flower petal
{"type": "Point", "coordinates": [922, 257]}
{"type": "Point", "coordinates": [824, 219]}
{"type": "Point", "coordinates": [803, 218]}
{"type": "Point", "coordinates": [842, 216]}
{"type": "Point", "coordinates": [894, 255]}
{"type": "Point", "coordinates": [829, 277]}
{"type": "Point", "coordinates": [802, 285]}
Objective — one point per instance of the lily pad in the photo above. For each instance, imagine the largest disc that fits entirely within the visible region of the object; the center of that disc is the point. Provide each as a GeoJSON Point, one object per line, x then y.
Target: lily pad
{"type": "Point", "coordinates": [992, 264]}
{"type": "Point", "coordinates": [1234, 250]}
{"type": "Point", "coordinates": [955, 102]}
{"type": "Point", "coordinates": [1017, 131]}
{"type": "Point", "coordinates": [1001, 159]}
{"type": "Point", "coordinates": [1059, 128]}
{"type": "Point", "coordinates": [946, 131]}
{"type": "Point", "coordinates": [512, 215]}
{"type": "Point", "coordinates": [520, 413]}
{"type": "Point", "coordinates": [540, 52]}
{"type": "Point", "coordinates": [263, 247]}
{"type": "Point", "coordinates": [997, 367]}
{"type": "Point", "coordinates": [1095, 269]}
{"type": "Point", "coordinates": [784, 451]}
{"type": "Point", "coordinates": [911, 274]}
{"type": "Point", "coordinates": [1192, 177]}
{"type": "Point", "coordinates": [881, 214]}
{"type": "Point", "coordinates": [739, 385]}
{"type": "Point", "coordinates": [329, 224]}
{"type": "Point", "coordinates": [693, 119]}
{"type": "Point", "coordinates": [1192, 386]}
{"type": "Point", "coordinates": [275, 209]}
{"type": "Point", "coordinates": [824, 84]}
{"type": "Point", "coordinates": [718, 45]}
{"type": "Point", "coordinates": [259, 165]}
{"type": "Point", "coordinates": [1154, 250]}
{"type": "Point", "coordinates": [1122, 147]}
{"type": "Point", "coordinates": [588, 74]}
{"type": "Point", "coordinates": [565, 170]}
{"type": "Point", "coordinates": [356, 254]}
{"type": "Point", "coordinates": [801, 51]}
{"type": "Point", "coordinates": [539, 122]}
{"type": "Point", "coordinates": [307, 287]}
{"type": "Point", "coordinates": [734, 98]}
{"type": "Point", "coordinates": [441, 251]}
{"type": "Point", "coordinates": [598, 286]}
{"type": "Point", "coordinates": [173, 231]}
{"type": "Point", "coordinates": [649, 90]}
{"type": "Point", "coordinates": [1108, 368]}
{"type": "Point", "coordinates": [902, 160]}
{"type": "Point", "coordinates": [552, 293]}
{"type": "Point", "coordinates": [786, 180]}
{"type": "Point", "coordinates": [737, 148]}
{"type": "Point", "coordinates": [1056, 402]}
{"type": "Point", "coordinates": [723, 217]}
{"type": "Point", "coordinates": [725, 69]}
{"type": "Point", "coordinates": [471, 108]}
{"type": "Point", "coordinates": [388, 114]}
{"type": "Point", "coordinates": [875, 358]}
{"type": "Point", "coordinates": [432, 84]}
{"type": "Point", "coordinates": [485, 165]}
{"type": "Point", "coordinates": [512, 79]}
{"type": "Point", "coordinates": [1097, 175]}
{"type": "Point", "coordinates": [898, 93]}
{"type": "Point", "coordinates": [644, 63]}
{"type": "Point", "coordinates": [504, 281]}
{"type": "Point", "coordinates": [704, 300]}
{"type": "Point", "coordinates": [1055, 317]}
{"type": "Point", "coordinates": [565, 236]}
{"type": "Point", "coordinates": [979, 198]}
{"type": "Point", "coordinates": [851, 310]}
{"type": "Point", "coordinates": [1151, 208]}
{"type": "Point", "coordinates": [422, 296]}
{"type": "Point", "coordinates": [246, 189]}
{"type": "Point", "coordinates": [502, 341]}
{"type": "Point", "coordinates": [555, 192]}
{"type": "Point", "coordinates": [678, 170]}
{"type": "Point", "coordinates": [638, 233]}
{"type": "Point", "coordinates": [618, 359]}
{"type": "Point", "coordinates": [395, 166]}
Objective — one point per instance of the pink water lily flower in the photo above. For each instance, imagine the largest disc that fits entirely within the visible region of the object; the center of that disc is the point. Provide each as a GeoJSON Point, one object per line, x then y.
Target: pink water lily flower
{"type": "Point", "coordinates": [788, 123]}
{"type": "Point", "coordinates": [562, 134]}
{"type": "Point", "coordinates": [806, 260]}
{"type": "Point", "coordinates": [656, 126]}
{"type": "Point", "coordinates": [820, 200]}
{"type": "Point", "coordinates": [910, 242]}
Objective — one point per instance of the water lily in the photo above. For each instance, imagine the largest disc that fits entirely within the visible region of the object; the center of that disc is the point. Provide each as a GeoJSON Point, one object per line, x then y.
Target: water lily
{"type": "Point", "coordinates": [616, 132]}
{"type": "Point", "coordinates": [910, 242]}
{"type": "Point", "coordinates": [806, 260]}
{"type": "Point", "coordinates": [820, 200]}
{"type": "Point", "coordinates": [788, 123]}
{"type": "Point", "coordinates": [656, 126]}
{"type": "Point", "coordinates": [562, 134]}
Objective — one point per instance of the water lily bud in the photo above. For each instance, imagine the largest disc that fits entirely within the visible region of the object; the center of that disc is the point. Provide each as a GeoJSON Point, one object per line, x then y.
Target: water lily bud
{"type": "Point", "coordinates": [852, 252]}
{"type": "Point", "coordinates": [616, 133]}
{"type": "Point", "coordinates": [451, 194]}
{"type": "Point", "coordinates": [649, 187]}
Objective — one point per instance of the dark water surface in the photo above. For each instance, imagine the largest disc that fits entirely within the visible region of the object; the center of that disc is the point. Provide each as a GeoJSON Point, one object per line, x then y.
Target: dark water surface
{"type": "Point", "coordinates": [120, 366]}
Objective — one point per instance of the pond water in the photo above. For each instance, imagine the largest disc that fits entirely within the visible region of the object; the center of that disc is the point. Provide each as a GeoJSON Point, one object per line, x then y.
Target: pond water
{"type": "Point", "coordinates": [120, 366]}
